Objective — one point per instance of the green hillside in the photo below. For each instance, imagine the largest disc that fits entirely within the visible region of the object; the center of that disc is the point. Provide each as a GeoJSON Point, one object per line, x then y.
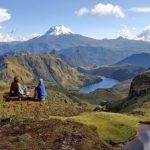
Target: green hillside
{"type": "Point", "coordinates": [31, 67]}
{"type": "Point", "coordinates": [118, 72]}
{"type": "Point", "coordinates": [99, 96]}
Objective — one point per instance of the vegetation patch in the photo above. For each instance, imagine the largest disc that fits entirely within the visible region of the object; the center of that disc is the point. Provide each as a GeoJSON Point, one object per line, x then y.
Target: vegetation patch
{"type": "Point", "coordinates": [25, 137]}
{"type": "Point", "coordinates": [54, 134]}
{"type": "Point", "coordinates": [111, 127]}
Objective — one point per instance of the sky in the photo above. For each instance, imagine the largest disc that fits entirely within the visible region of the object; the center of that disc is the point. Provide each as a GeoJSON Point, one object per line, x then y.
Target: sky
{"type": "Point", "coordinates": [23, 19]}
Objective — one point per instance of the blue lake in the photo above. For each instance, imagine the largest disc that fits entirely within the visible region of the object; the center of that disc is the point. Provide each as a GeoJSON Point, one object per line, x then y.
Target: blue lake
{"type": "Point", "coordinates": [105, 83]}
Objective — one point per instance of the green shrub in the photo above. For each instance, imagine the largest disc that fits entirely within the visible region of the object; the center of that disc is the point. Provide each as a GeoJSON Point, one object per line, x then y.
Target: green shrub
{"type": "Point", "coordinates": [7, 126]}
{"type": "Point", "coordinates": [25, 137]}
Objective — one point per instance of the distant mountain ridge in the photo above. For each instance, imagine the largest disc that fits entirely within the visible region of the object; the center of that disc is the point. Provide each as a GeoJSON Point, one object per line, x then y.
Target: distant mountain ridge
{"type": "Point", "coordinates": [62, 38]}
{"type": "Point", "coordinates": [120, 72]}
{"type": "Point", "coordinates": [142, 60]}
{"type": "Point", "coordinates": [84, 56]}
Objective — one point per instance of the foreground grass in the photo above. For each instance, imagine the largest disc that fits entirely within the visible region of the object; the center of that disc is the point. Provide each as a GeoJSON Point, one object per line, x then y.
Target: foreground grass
{"type": "Point", "coordinates": [57, 103]}
{"type": "Point", "coordinates": [52, 134]}
{"type": "Point", "coordinates": [111, 127]}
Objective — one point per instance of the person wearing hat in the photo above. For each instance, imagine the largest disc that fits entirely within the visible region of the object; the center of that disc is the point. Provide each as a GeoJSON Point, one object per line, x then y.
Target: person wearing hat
{"type": "Point", "coordinates": [40, 91]}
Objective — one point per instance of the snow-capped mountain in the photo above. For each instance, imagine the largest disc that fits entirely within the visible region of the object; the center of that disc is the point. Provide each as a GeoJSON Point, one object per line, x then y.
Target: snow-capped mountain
{"type": "Point", "coordinates": [62, 39]}
{"type": "Point", "coordinates": [145, 35]}
{"type": "Point", "coordinates": [59, 30]}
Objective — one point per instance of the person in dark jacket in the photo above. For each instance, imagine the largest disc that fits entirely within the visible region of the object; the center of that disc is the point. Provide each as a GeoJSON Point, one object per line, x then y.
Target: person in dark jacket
{"type": "Point", "coordinates": [40, 91]}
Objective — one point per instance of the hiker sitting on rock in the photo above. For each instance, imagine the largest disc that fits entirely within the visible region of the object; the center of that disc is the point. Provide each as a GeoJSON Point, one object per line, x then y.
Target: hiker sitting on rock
{"type": "Point", "coordinates": [40, 91]}
{"type": "Point", "coordinates": [17, 89]}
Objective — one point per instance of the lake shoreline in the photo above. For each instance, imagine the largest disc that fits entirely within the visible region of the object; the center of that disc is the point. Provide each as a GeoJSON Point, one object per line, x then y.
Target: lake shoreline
{"type": "Point", "coordinates": [104, 83]}
{"type": "Point", "coordinates": [99, 79]}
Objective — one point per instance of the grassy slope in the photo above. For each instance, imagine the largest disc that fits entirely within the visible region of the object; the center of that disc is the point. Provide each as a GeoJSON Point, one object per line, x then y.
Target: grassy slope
{"type": "Point", "coordinates": [110, 126]}
{"type": "Point", "coordinates": [113, 127]}
{"type": "Point", "coordinates": [99, 96]}
{"type": "Point", "coordinates": [57, 103]}
{"type": "Point", "coordinates": [52, 69]}
{"type": "Point", "coordinates": [123, 87]}
{"type": "Point", "coordinates": [40, 63]}
{"type": "Point", "coordinates": [138, 106]}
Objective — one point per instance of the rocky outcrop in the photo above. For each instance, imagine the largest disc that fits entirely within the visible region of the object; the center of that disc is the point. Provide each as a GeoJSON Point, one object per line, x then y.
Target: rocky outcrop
{"type": "Point", "coordinates": [140, 84]}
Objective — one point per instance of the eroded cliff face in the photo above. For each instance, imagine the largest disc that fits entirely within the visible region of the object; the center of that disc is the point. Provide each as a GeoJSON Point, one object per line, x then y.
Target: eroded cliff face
{"type": "Point", "coordinates": [140, 84]}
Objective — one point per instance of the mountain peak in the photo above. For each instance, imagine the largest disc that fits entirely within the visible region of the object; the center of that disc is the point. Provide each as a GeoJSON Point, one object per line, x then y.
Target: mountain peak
{"type": "Point", "coordinates": [58, 30]}
{"type": "Point", "coordinates": [120, 38]}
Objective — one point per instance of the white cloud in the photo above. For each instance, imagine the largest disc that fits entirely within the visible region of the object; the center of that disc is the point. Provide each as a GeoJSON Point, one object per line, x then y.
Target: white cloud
{"type": "Point", "coordinates": [124, 32]}
{"type": "Point", "coordinates": [82, 12]}
{"type": "Point", "coordinates": [140, 9]}
{"type": "Point", "coordinates": [35, 35]}
{"type": "Point", "coordinates": [127, 32]}
{"type": "Point", "coordinates": [9, 37]}
{"type": "Point", "coordinates": [108, 9]}
{"type": "Point", "coordinates": [6, 38]}
{"type": "Point", "coordinates": [147, 28]}
{"type": "Point", "coordinates": [1, 27]}
{"type": "Point", "coordinates": [133, 28]}
{"type": "Point", "coordinates": [145, 35]}
{"type": "Point", "coordinates": [101, 10]}
{"type": "Point", "coordinates": [4, 15]}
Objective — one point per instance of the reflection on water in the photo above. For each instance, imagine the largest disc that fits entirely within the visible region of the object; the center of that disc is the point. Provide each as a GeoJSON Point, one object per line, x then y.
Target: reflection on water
{"type": "Point", "coordinates": [142, 141]}
{"type": "Point", "coordinates": [105, 83]}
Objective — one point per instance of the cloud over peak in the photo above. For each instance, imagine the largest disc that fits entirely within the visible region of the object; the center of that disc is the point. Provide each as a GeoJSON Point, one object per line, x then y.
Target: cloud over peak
{"type": "Point", "coordinates": [101, 10]}
{"type": "Point", "coordinates": [145, 35]}
{"type": "Point", "coordinates": [4, 15]}
{"type": "Point", "coordinates": [124, 32]}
